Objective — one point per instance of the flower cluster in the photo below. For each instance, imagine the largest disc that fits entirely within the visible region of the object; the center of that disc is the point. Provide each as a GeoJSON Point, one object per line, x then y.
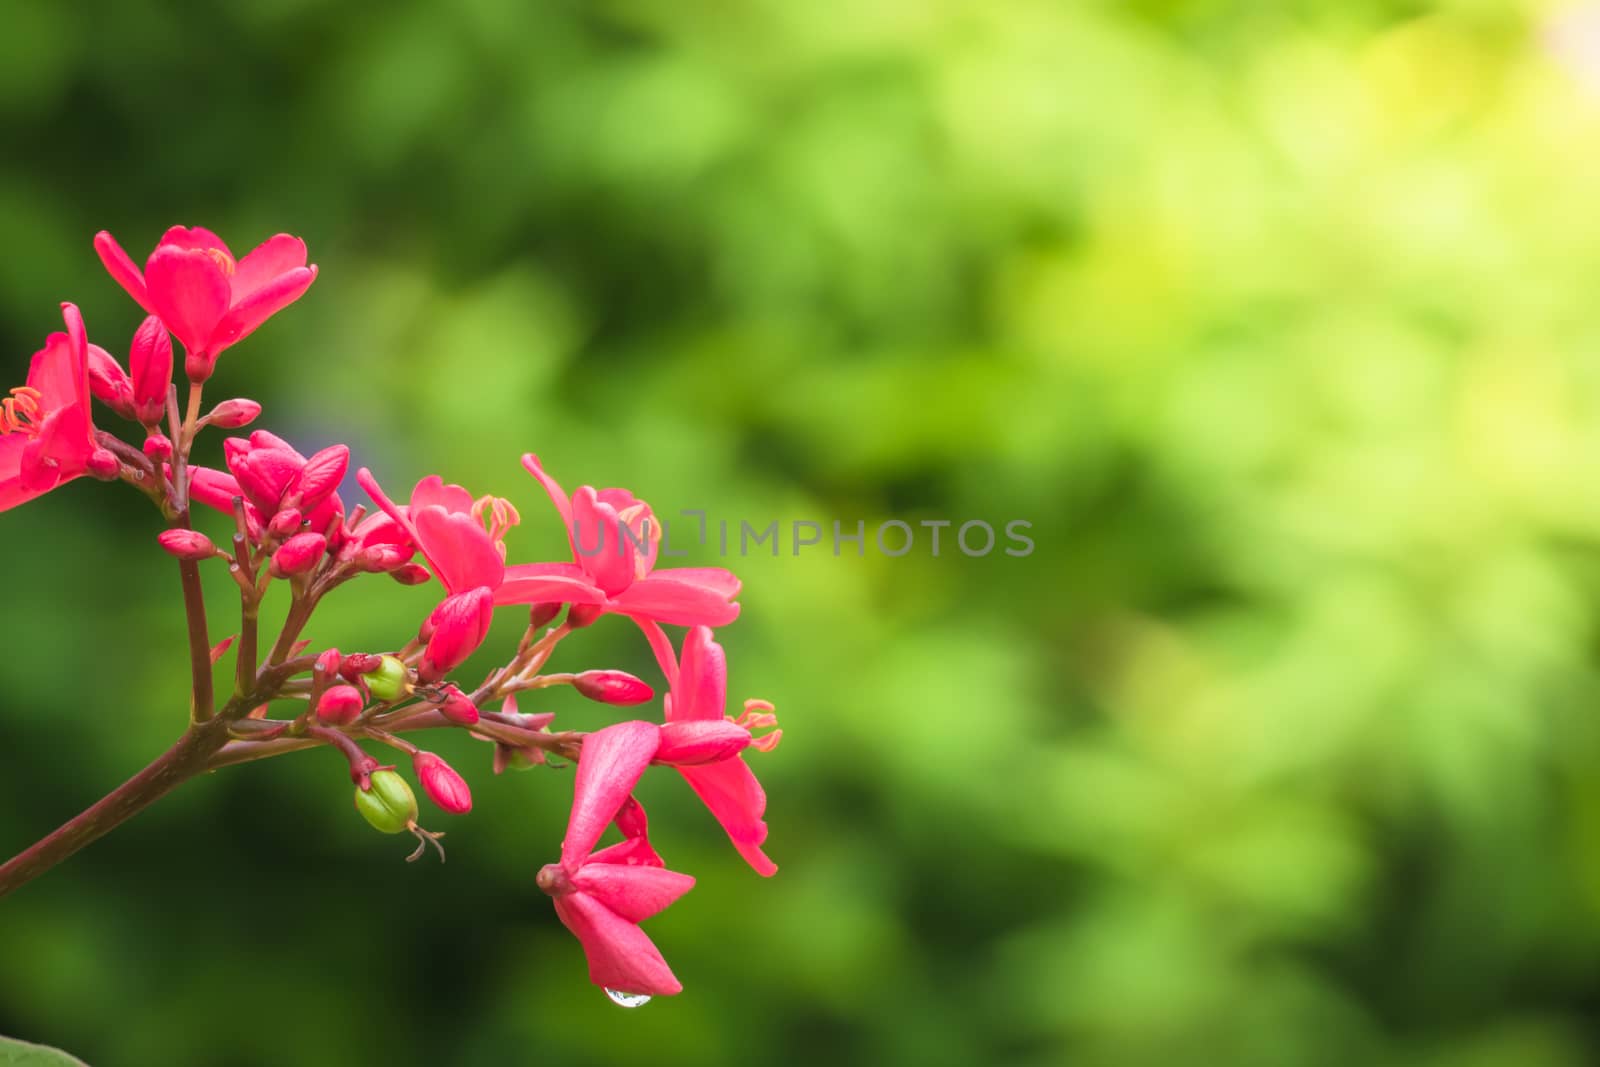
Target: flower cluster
{"type": "Point", "coordinates": [286, 520]}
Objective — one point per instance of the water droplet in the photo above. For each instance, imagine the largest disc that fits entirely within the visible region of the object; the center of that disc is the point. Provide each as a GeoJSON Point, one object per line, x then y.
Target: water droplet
{"type": "Point", "coordinates": [628, 1000]}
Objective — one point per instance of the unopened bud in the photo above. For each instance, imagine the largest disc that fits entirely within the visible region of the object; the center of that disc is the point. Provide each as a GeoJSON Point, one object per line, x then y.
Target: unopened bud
{"type": "Point", "coordinates": [285, 524]}
{"type": "Point", "coordinates": [158, 446]}
{"type": "Point", "coordinates": [612, 687]}
{"type": "Point", "coordinates": [232, 414]}
{"type": "Point", "coordinates": [298, 554]}
{"type": "Point", "coordinates": [380, 558]}
{"type": "Point", "coordinates": [456, 627]}
{"type": "Point", "coordinates": [411, 574]}
{"type": "Point", "coordinates": [542, 614]}
{"type": "Point", "coordinates": [443, 785]}
{"type": "Point", "coordinates": [387, 803]}
{"type": "Point", "coordinates": [103, 464]}
{"type": "Point", "coordinates": [150, 369]}
{"type": "Point", "coordinates": [328, 663]}
{"type": "Point", "coordinates": [318, 479]}
{"type": "Point", "coordinates": [582, 615]}
{"type": "Point", "coordinates": [387, 682]}
{"type": "Point", "coordinates": [457, 708]}
{"type": "Point", "coordinates": [340, 705]}
{"type": "Point", "coordinates": [186, 544]}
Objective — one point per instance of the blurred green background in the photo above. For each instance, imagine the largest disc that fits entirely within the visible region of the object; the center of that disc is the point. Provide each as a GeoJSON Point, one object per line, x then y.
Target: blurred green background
{"type": "Point", "coordinates": [1277, 321]}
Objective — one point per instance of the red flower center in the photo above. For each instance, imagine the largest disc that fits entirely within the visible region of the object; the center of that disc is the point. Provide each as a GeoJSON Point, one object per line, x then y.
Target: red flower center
{"type": "Point", "coordinates": [19, 412]}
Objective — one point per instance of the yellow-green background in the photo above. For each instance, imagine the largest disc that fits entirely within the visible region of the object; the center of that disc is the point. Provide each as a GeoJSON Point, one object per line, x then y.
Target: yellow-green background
{"type": "Point", "coordinates": [1279, 321]}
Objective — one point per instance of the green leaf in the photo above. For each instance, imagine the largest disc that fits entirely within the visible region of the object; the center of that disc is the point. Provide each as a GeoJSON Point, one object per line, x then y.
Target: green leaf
{"type": "Point", "coordinates": [21, 1054]}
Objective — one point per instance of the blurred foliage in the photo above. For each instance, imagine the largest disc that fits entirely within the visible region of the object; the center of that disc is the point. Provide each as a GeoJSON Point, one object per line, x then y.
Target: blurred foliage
{"type": "Point", "coordinates": [1277, 321]}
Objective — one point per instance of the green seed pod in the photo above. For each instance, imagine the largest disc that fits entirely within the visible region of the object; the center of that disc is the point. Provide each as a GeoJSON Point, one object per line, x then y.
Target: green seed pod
{"type": "Point", "coordinates": [389, 805]}
{"type": "Point", "coordinates": [388, 682]}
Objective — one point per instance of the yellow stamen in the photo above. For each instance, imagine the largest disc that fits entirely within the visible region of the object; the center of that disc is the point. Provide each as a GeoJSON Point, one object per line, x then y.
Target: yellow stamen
{"type": "Point", "coordinates": [20, 412]}
{"type": "Point", "coordinates": [223, 260]}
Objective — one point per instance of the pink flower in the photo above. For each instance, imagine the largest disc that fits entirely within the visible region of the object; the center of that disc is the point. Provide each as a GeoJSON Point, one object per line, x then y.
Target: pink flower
{"type": "Point", "coordinates": [614, 539]}
{"type": "Point", "coordinates": [602, 897]}
{"type": "Point", "coordinates": [272, 477]}
{"type": "Point", "coordinates": [728, 787]}
{"type": "Point", "coordinates": [205, 297]}
{"type": "Point", "coordinates": [461, 538]}
{"type": "Point", "coordinates": [46, 432]}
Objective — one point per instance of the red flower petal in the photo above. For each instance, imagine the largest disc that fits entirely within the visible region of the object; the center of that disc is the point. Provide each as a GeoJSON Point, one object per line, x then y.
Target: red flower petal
{"type": "Point", "coordinates": [275, 256]}
{"type": "Point", "coordinates": [123, 270]}
{"type": "Point", "coordinates": [620, 955]}
{"type": "Point", "coordinates": [608, 768]}
{"type": "Point", "coordinates": [189, 291]}
{"type": "Point", "coordinates": [666, 597]}
{"type": "Point", "coordinates": [251, 311]}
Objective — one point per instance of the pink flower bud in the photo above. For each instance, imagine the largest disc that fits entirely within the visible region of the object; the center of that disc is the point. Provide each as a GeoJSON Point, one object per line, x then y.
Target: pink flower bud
{"type": "Point", "coordinates": [581, 615]}
{"type": "Point", "coordinates": [284, 524]}
{"type": "Point", "coordinates": [457, 708]}
{"type": "Point", "coordinates": [109, 382]}
{"type": "Point", "coordinates": [232, 414]}
{"type": "Point", "coordinates": [542, 614]}
{"type": "Point", "coordinates": [443, 785]}
{"type": "Point", "coordinates": [411, 574]}
{"type": "Point", "coordinates": [158, 446]}
{"type": "Point", "coordinates": [340, 705]}
{"type": "Point", "coordinates": [456, 628]}
{"type": "Point", "coordinates": [328, 663]}
{"type": "Point", "coordinates": [150, 369]}
{"type": "Point", "coordinates": [701, 741]}
{"type": "Point", "coordinates": [380, 558]}
{"type": "Point", "coordinates": [612, 687]}
{"type": "Point", "coordinates": [298, 554]}
{"type": "Point", "coordinates": [186, 544]}
{"type": "Point", "coordinates": [318, 479]}
{"type": "Point", "coordinates": [103, 464]}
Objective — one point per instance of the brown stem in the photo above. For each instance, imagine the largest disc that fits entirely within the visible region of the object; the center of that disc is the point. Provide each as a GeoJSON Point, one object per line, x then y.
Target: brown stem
{"type": "Point", "coordinates": [185, 759]}
{"type": "Point", "coordinates": [194, 607]}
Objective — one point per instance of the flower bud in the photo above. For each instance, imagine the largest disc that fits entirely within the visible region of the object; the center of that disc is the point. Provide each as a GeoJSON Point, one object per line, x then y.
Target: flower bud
{"type": "Point", "coordinates": [701, 741]}
{"type": "Point", "coordinates": [542, 614]}
{"type": "Point", "coordinates": [158, 446]}
{"type": "Point", "coordinates": [186, 544]}
{"type": "Point", "coordinates": [379, 558]}
{"type": "Point", "coordinates": [232, 414]}
{"type": "Point", "coordinates": [103, 464]}
{"type": "Point", "coordinates": [298, 554]}
{"type": "Point", "coordinates": [581, 615]}
{"type": "Point", "coordinates": [109, 382]}
{"type": "Point", "coordinates": [150, 369]}
{"type": "Point", "coordinates": [328, 663]}
{"type": "Point", "coordinates": [285, 524]}
{"type": "Point", "coordinates": [388, 803]}
{"type": "Point", "coordinates": [612, 687]}
{"type": "Point", "coordinates": [340, 705]}
{"type": "Point", "coordinates": [456, 628]}
{"type": "Point", "coordinates": [443, 785]}
{"type": "Point", "coordinates": [457, 708]}
{"type": "Point", "coordinates": [318, 479]}
{"type": "Point", "coordinates": [388, 681]}
{"type": "Point", "coordinates": [411, 574]}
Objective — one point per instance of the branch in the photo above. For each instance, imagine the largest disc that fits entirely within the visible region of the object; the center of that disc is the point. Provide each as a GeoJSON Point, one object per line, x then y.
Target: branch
{"type": "Point", "coordinates": [185, 759]}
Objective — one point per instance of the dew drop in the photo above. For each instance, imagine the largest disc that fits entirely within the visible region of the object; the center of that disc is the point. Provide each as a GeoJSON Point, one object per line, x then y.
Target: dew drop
{"type": "Point", "coordinates": [628, 1000]}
